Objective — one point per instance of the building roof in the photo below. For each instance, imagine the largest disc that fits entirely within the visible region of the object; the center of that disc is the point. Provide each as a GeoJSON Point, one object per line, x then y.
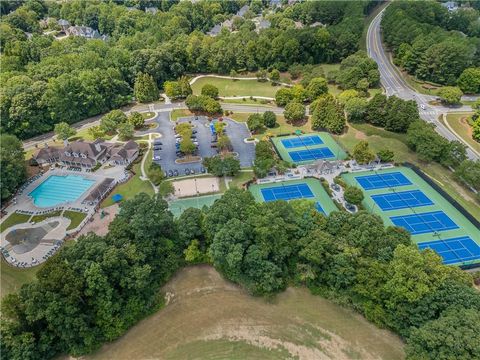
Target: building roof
{"type": "Point", "coordinates": [215, 30]}
{"type": "Point", "coordinates": [47, 153]}
{"type": "Point", "coordinates": [123, 152]}
{"type": "Point", "coordinates": [242, 10]}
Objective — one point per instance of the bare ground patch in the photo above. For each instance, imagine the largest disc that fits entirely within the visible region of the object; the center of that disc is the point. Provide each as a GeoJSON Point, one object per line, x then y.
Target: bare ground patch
{"type": "Point", "coordinates": [209, 318]}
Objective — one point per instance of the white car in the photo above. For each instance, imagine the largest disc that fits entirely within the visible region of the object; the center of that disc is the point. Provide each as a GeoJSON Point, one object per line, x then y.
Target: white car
{"type": "Point", "coordinates": [423, 107]}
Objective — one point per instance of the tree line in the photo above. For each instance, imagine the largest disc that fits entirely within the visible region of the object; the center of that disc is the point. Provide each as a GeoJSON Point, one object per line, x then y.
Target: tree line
{"type": "Point", "coordinates": [45, 81]}
{"type": "Point", "coordinates": [434, 44]}
{"type": "Point", "coordinates": [98, 287]}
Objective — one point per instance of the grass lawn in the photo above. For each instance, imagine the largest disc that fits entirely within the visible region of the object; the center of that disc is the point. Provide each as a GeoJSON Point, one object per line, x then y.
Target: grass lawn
{"type": "Point", "coordinates": [14, 219]}
{"type": "Point", "coordinates": [12, 278]}
{"type": "Point", "coordinates": [241, 178]}
{"type": "Point", "coordinates": [282, 126]}
{"type": "Point", "coordinates": [131, 188]}
{"type": "Point", "coordinates": [229, 87]}
{"type": "Point", "coordinates": [381, 139]}
{"type": "Point", "coordinates": [38, 218]}
{"type": "Point", "coordinates": [147, 115]}
{"type": "Point", "coordinates": [210, 318]}
{"type": "Point", "coordinates": [75, 217]}
{"type": "Point", "coordinates": [248, 101]}
{"type": "Point", "coordinates": [178, 113]}
{"type": "Point", "coordinates": [459, 123]}
{"type": "Point", "coordinates": [85, 135]}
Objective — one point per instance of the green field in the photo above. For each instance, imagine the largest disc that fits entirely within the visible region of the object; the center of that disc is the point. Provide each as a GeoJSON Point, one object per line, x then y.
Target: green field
{"type": "Point", "coordinates": [440, 203]}
{"type": "Point", "coordinates": [75, 218]}
{"type": "Point", "coordinates": [316, 187]}
{"type": "Point", "coordinates": [14, 219]}
{"type": "Point", "coordinates": [179, 206]}
{"type": "Point", "coordinates": [459, 123]}
{"type": "Point", "coordinates": [328, 141]}
{"type": "Point", "coordinates": [131, 188]}
{"type": "Point", "coordinates": [12, 278]}
{"type": "Point", "coordinates": [210, 318]}
{"type": "Point", "coordinates": [229, 87]}
{"type": "Point", "coordinates": [178, 113]}
{"type": "Point", "coordinates": [241, 178]}
{"type": "Point", "coordinates": [381, 139]}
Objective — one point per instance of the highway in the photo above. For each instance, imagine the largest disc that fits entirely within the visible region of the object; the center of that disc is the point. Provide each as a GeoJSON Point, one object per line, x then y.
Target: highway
{"type": "Point", "coordinates": [394, 84]}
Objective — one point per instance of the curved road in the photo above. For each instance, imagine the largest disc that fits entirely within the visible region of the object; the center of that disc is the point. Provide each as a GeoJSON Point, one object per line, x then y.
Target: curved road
{"type": "Point", "coordinates": [394, 84]}
{"type": "Point", "coordinates": [160, 107]}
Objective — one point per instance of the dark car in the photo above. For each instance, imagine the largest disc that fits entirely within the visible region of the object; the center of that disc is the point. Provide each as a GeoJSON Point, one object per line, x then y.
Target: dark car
{"type": "Point", "coordinates": [187, 171]}
{"type": "Point", "coordinates": [157, 142]}
{"type": "Point", "coordinates": [194, 131]}
{"type": "Point", "coordinates": [175, 172]}
{"type": "Point", "coordinates": [170, 173]}
{"type": "Point", "coordinates": [157, 148]}
{"type": "Point", "coordinates": [203, 170]}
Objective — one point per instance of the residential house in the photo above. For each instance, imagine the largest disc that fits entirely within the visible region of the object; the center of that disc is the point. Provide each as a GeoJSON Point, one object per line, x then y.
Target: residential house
{"type": "Point", "coordinates": [151, 10]}
{"type": "Point", "coordinates": [84, 31]}
{"type": "Point", "coordinates": [242, 11]}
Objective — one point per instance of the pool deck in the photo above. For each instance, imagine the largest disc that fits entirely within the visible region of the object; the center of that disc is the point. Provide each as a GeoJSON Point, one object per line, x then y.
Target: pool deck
{"type": "Point", "coordinates": [23, 203]}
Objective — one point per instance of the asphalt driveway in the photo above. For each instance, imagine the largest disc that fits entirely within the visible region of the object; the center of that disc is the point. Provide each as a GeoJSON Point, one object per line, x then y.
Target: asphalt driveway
{"type": "Point", "coordinates": [236, 131]}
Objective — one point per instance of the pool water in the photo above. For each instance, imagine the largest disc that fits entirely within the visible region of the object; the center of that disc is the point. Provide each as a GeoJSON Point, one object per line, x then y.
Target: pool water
{"type": "Point", "coordinates": [60, 189]}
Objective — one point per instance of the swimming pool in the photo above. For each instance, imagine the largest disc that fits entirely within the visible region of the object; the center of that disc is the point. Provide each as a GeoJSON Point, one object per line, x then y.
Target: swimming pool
{"type": "Point", "coordinates": [60, 189]}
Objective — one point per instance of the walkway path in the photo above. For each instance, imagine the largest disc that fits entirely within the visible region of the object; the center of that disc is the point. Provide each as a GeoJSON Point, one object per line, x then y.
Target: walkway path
{"type": "Point", "coordinates": [144, 176]}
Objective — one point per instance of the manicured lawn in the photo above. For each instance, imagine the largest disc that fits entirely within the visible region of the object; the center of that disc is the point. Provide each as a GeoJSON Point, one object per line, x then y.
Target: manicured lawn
{"type": "Point", "coordinates": [38, 218]}
{"type": "Point", "coordinates": [282, 126]}
{"type": "Point", "coordinates": [248, 101]}
{"type": "Point", "coordinates": [241, 178]}
{"type": "Point", "coordinates": [131, 188]}
{"type": "Point", "coordinates": [459, 123]}
{"type": "Point", "coordinates": [381, 139]}
{"type": "Point", "coordinates": [229, 87]}
{"type": "Point", "coordinates": [178, 113]}
{"type": "Point", "coordinates": [148, 115]}
{"type": "Point", "coordinates": [75, 217]}
{"type": "Point", "coordinates": [85, 135]}
{"type": "Point", "coordinates": [12, 278]}
{"type": "Point", "coordinates": [14, 219]}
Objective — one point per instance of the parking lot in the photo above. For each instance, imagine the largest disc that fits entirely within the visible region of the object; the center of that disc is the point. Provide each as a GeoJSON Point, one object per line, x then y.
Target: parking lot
{"type": "Point", "coordinates": [237, 132]}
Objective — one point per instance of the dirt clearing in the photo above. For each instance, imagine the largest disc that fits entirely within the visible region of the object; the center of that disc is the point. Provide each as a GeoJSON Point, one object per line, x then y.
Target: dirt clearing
{"type": "Point", "coordinates": [209, 318]}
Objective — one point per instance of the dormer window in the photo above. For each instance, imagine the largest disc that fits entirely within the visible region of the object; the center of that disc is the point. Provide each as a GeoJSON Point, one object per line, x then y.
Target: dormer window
{"type": "Point", "coordinates": [83, 156]}
{"type": "Point", "coordinates": [67, 153]}
{"type": "Point", "coordinates": [75, 154]}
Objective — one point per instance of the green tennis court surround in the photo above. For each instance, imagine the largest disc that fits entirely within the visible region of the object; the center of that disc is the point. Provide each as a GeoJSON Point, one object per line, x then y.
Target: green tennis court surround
{"type": "Point", "coordinates": [309, 189]}
{"type": "Point", "coordinates": [307, 148]}
{"type": "Point", "coordinates": [402, 198]}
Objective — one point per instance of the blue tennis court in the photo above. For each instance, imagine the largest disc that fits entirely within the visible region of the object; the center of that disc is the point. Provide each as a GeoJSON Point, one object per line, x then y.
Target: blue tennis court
{"type": "Point", "coordinates": [319, 207]}
{"type": "Point", "coordinates": [302, 141]}
{"type": "Point", "coordinates": [311, 154]}
{"type": "Point", "coordinates": [425, 223]}
{"type": "Point", "coordinates": [454, 250]}
{"type": "Point", "coordinates": [287, 192]}
{"type": "Point", "coordinates": [401, 200]}
{"type": "Point", "coordinates": [380, 181]}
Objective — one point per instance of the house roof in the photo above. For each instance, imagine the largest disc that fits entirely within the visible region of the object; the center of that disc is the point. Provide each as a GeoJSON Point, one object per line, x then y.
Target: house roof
{"type": "Point", "coordinates": [83, 147]}
{"type": "Point", "coordinates": [242, 10]}
{"type": "Point", "coordinates": [48, 153]}
{"type": "Point", "coordinates": [215, 30]}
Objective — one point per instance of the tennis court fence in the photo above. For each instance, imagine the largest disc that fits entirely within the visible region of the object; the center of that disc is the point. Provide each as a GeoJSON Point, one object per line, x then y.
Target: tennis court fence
{"type": "Point", "coordinates": [442, 192]}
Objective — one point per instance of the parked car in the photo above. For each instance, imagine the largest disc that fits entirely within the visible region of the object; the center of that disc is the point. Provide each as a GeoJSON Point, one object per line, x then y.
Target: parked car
{"type": "Point", "coordinates": [157, 142]}
{"type": "Point", "coordinates": [157, 157]}
{"type": "Point", "coordinates": [157, 148]}
{"type": "Point", "coordinates": [194, 131]}
{"type": "Point", "coordinates": [203, 170]}
{"type": "Point", "coordinates": [170, 173]}
{"type": "Point", "coordinates": [192, 171]}
{"type": "Point", "coordinates": [175, 172]}
{"type": "Point", "coordinates": [187, 171]}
